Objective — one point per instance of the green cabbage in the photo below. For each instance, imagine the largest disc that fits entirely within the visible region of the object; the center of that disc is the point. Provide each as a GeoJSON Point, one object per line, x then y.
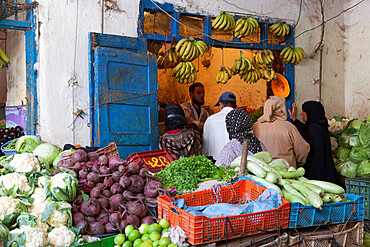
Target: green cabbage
{"type": "Point", "coordinates": [343, 140]}
{"type": "Point", "coordinates": [348, 169]}
{"type": "Point", "coordinates": [354, 141]}
{"type": "Point", "coordinates": [364, 134]}
{"type": "Point", "coordinates": [59, 157]}
{"type": "Point", "coordinates": [26, 144]}
{"type": "Point", "coordinates": [356, 124]}
{"type": "Point", "coordinates": [342, 153]}
{"type": "Point", "coordinates": [47, 152]}
{"type": "Point", "coordinates": [357, 155]}
{"type": "Point", "coordinates": [364, 168]}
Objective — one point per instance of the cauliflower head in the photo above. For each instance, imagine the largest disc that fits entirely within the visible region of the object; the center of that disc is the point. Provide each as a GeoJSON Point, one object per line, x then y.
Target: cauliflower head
{"type": "Point", "coordinates": [34, 236]}
{"type": "Point", "coordinates": [25, 162]}
{"type": "Point", "coordinates": [39, 201]}
{"type": "Point", "coordinates": [61, 237]}
{"type": "Point", "coordinates": [57, 180]}
{"type": "Point", "coordinates": [58, 219]}
{"type": "Point", "coordinates": [41, 182]}
{"type": "Point", "coordinates": [60, 216]}
{"type": "Point", "coordinates": [8, 205]}
{"type": "Point", "coordinates": [15, 179]}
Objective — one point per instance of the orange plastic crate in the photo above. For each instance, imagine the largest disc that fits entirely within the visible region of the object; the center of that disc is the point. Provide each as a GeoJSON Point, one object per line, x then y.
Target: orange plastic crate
{"type": "Point", "coordinates": [202, 230]}
{"type": "Point", "coordinates": [155, 160]}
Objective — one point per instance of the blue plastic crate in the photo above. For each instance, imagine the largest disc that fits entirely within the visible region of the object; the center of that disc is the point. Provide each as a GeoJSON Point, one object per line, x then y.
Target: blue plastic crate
{"type": "Point", "coordinates": [8, 151]}
{"type": "Point", "coordinates": [331, 213]}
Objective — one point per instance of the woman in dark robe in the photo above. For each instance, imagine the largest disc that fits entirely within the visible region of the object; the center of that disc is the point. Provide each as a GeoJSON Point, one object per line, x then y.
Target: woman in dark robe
{"type": "Point", "coordinates": [319, 164]}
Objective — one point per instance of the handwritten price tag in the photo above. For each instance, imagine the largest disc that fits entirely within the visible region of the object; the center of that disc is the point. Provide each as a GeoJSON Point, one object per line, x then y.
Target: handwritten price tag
{"type": "Point", "coordinates": [157, 162]}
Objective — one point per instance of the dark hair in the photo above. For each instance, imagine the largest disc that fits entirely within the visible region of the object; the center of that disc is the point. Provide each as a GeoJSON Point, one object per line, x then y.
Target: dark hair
{"type": "Point", "coordinates": [174, 117]}
{"type": "Point", "coordinates": [194, 85]}
{"type": "Point", "coordinates": [229, 103]}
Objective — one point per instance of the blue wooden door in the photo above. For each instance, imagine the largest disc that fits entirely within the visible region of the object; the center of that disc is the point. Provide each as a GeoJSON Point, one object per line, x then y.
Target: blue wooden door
{"type": "Point", "coordinates": [125, 92]}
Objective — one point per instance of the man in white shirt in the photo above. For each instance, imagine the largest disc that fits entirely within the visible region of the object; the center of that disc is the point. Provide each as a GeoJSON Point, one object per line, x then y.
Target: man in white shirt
{"type": "Point", "coordinates": [215, 135]}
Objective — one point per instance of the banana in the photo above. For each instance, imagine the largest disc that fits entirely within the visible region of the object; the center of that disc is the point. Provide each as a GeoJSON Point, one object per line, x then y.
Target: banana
{"type": "Point", "coordinates": [183, 48]}
{"type": "Point", "coordinates": [283, 51]}
{"type": "Point", "coordinates": [243, 65]}
{"type": "Point", "coordinates": [187, 50]}
{"type": "Point", "coordinates": [287, 29]}
{"type": "Point", "coordinates": [180, 43]}
{"type": "Point", "coordinates": [3, 56]}
{"type": "Point", "coordinates": [217, 20]}
{"type": "Point", "coordinates": [187, 70]}
{"type": "Point", "coordinates": [228, 71]}
{"type": "Point", "coordinates": [199, 47]}
{"type": "Point", "coordinates": [273, 27]}
{"type": "Point", "coordinates": [249, 63]}
{"type": "Point", "coordinates": [239, 24]}
{"type": "Point", "coordinates": [1, 64]}
{"type": "Point", "coordinates": [223, 23]}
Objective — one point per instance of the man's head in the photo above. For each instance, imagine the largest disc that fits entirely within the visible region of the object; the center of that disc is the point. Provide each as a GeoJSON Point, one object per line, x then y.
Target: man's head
{"type": "Point", "coordinates": [196, 92]}
{"type": "Point", "coordinates": [227, 99]}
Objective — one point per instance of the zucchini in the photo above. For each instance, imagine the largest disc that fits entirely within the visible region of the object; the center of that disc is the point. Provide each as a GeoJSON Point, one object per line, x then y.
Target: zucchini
{"type": "Point", "coordinates": [312, 187]}
{"type": "Point", "coordinates": [326, 198]}
{"type": "Point", "coordinates": [256, 169]}
{"type": "Point", "coordinates": [271, 177]}
{"type": "Point", "coordinates": [288, 187]}
{"type": "Point", "coordinates": [287, 174]}
{"type": "Point", "coordinates": [327, 186]}
{"type": "Point", "coordinates": [336, 198]}
{"type": "Point", "coordinates": [313, 198]}
{"type": "Point", "coordinates": [302, 179]}
{"type": "Point", "coordinates": [344, 197]}
{"type": "Point", "coordinates": [293, 198]}
{"type": "Point", "coordinates": [265, 183]}
{"type": "Point", "coordinates": [291, 169]}
{"type": "Point", "coordinates": [282, 163]}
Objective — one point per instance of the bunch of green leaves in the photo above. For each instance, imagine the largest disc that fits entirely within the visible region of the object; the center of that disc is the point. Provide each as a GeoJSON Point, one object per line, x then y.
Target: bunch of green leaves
{"type": "Point", "coordinates": [187, 172]}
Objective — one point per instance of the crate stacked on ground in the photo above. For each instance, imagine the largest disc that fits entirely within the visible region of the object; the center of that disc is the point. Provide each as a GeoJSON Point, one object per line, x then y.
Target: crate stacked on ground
{"type": "Point", "coordinates": [201, 229]}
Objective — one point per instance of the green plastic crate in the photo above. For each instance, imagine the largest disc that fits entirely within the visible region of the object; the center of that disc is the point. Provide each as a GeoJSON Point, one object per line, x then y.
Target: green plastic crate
{"type": "Point", "coordinates": [105, 242]}
{"type": "Point", "coordinates": [360, 186]}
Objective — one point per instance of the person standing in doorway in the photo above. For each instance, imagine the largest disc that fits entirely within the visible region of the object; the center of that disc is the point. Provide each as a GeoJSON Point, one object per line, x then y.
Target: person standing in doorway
{"type": "Point", "coordinates": [198, 114]}
{"type": "Point", "coordinates": [215, 135]}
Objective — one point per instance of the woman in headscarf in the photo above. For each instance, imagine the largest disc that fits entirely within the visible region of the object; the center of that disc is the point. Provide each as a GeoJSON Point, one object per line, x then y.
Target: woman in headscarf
{"type": "Point", "coordinates": [239, 127]}
{"type": "Point", "coordinates": [179, 140]}
{"type": "Point", "coordinates": [280, 137]}
{"type": "Point", "coordinates": [319, 164]}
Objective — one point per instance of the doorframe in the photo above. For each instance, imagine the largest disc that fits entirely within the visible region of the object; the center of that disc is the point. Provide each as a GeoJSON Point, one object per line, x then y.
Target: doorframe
{"type": "Point", "coordinates": [29, 27]}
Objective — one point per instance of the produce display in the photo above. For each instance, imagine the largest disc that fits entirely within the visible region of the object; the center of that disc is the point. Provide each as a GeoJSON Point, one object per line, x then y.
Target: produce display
{"type": "Point", "coordinates": [241, 66]}
{"type": "Point", "coordinates": [280, 29]}
{"type": "Point", "coordinates": [190, 49]}
{"type": "Point", "coordinates": [292, 55]}
{"type": "Point", "coordinates": [147, 235]}
{"type": "Point", "coordinates": [224, 22]}
{"type": "Point", "coordinates": [288, 181]}
{"type": "Point", "coordinates": [185, 72]}
{"type": "Point", "coordinates": [245, 27]}
{"type": "Point", "coordinates": [351, 150]}
{"type": "Point", "coordinates": [187, 172]}
{"type": "Point", "coordinates": [8, 134]}
{"type": "Point", "coordinates": [223, 75]}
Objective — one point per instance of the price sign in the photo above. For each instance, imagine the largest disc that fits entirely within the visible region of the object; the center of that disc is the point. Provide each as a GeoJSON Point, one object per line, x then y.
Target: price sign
{"type": "Point", "coordinates": [157, 161]}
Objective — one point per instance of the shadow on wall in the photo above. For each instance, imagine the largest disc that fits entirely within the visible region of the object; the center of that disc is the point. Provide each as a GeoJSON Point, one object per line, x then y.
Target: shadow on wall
{"type": "Point", "coordinates": [249, 95]}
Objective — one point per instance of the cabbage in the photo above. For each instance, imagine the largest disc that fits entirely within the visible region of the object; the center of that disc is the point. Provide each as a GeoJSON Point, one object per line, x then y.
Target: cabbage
{"type": "Point", "coordinates": [47, 152]}
{"type": "Point", "coordinates": [356, 124]}
{"type": "Point", "coordinates": [26, 144]}
{"type": "Point", "coordinates": [348, 169]}
{"type": "Point", "coordinates": [354, 141]}
{"type": "Point", "coordinates": [342, 153]}
{"type": "Point", "coordinates": [367, 119]}
{"type": "Point", "coordinates": [264, 156]}
{"type": "Point", "coordinates": [357, 155]}
{"type": "Point", "coordinates": [343, 140]}
{"type": "Point", "coordinates": [364, 168]}
{"type": "Point", "coordinates": [59, 157]}
{"type": "Point", "coordinates": [364, 134]}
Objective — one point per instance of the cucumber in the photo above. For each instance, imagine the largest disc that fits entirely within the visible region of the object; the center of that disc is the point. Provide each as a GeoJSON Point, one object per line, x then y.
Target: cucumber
{"type": "Point", "coordinates": [271, 177]}
{"type": "Point", "coordinates": [326, 198]}
{"type": "Point", "coordinates": [293, 198]}
{"type": "Point", "coordinates": [265, 183]}
{"type": "Point", "coordinates": [327, 186]}
{"type": "Point", "coordinates": [287, 174]}
{"type": "Point", "coordinates": [313, 198]}
{"type": "Point", "coordinates": [312, 187]}
{"type": "Point", "coordinates": [288, 187]}
{"type": "Point", "coordinates": [256, 169]}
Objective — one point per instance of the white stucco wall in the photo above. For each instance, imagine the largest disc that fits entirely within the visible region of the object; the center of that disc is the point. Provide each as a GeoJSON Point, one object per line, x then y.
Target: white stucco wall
{"type": "Point", "coordinates": [63, 53]}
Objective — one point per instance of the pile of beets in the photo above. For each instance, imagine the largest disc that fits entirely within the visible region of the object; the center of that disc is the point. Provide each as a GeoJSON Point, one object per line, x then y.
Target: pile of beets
{"type": "Point", "coordinates": [117, 191]}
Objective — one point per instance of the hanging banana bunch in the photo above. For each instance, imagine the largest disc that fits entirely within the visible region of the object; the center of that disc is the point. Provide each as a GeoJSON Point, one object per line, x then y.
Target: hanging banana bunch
{"type": "Point", "coordinates": [4, 58]}
{"type": "Point", "coordinates": [224, 22]}
{"type": "Point", "coordinates": [292, 55]}
{"type": "Point", "coordinates": [223, 75]}
{"type": "Point", "coordinates": [252, 76]}
{"type": "Point", "coordinates": [190, 49]}
{"type": "Point", "coordinates": [245, 27]}
{"type": "Point", "coordinates": [185, 73]}
{"type": "Point", "coordinates": [268, 73]}
{"type": "Point", "coordinates": [171, 58]}
{"type": "Point", "coordinates": [160, 60]}
{"type": "Point", "coordinates": [265, 57]}
{"type": "Point", "coordinates": [241, 66]}
{"type": "Point", "coordinates": [280, 29]}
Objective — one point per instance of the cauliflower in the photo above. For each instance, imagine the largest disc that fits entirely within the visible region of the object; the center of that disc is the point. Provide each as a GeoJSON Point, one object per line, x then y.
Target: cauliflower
{"type": "Point", "coordinates": [8, 205]}
{"type": "Point", "coordinates": [34, 236]}
{"type": "Point", "coordinates": [39, 201]}
{"type": "Point", "coordinates": [41, 182]}
{"type": "Point", "coordinates": [25, 162]}
{"type": "Point", "coordinates": [61, 237]}
{"type": "Point", "coordinates": [58, 218]}
{"type": "Point", "coordinates": [58, 181]}
{"type": "Point", "coordinates": [43, 226]}
{"type": "Point", "coordinates": [15, 179]}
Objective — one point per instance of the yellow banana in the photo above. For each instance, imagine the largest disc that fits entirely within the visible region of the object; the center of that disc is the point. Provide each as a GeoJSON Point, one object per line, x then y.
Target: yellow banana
{"type": "Point", "coordinates": [216, 21]}
{"type": "Point", "coordinates": [180, 43]}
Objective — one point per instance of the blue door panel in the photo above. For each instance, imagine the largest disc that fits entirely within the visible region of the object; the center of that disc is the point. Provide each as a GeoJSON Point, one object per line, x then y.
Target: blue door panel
{"type": "Point", "coordinates": [137, 45]}
{"type": "Point", "coordinates": [131, 123]}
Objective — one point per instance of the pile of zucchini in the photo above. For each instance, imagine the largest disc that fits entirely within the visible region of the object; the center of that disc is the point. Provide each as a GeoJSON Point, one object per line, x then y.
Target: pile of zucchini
{"type": "Point", "coordinates": [289, 182]}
